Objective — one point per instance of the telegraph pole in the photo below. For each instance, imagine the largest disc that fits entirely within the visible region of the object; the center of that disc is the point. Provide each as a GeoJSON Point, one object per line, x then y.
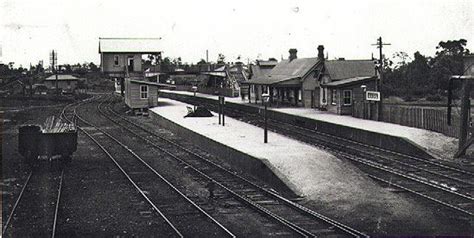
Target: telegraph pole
{"type": "Point", "coordinates": [379, 82]}
{"type": "Point", "coordinates": [54, 58]}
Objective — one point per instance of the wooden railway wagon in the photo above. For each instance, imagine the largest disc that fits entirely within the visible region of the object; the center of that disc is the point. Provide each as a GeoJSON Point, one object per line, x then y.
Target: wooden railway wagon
{"type": "Point", "coordinates": [34, 143]}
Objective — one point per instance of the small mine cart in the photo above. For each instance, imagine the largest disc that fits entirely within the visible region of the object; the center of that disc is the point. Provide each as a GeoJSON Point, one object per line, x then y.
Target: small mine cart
{"type": "Point", "coordinates": [57, 140]}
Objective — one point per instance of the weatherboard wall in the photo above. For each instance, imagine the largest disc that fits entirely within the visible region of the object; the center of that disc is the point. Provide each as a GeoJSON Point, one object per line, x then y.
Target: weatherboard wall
{"type": "Point", "coordinates": [133, 98]}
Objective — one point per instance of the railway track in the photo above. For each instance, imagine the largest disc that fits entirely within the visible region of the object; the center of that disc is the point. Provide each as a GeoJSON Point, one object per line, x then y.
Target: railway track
{"type": "Point", "coordinates": [35, 211]}
{"type": "Point", "coordinates": [263, 200]}
{"type": "Point", "coordinates": [441, 183]}
{"type": "Point", "coordinates": [183, 217]}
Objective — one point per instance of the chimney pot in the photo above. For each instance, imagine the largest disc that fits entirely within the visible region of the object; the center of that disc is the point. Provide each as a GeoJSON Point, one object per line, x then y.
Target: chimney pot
{"type": "Point", "coordinates": [321, 52]}
{"type": "Point", "coordinates": [293, 54]}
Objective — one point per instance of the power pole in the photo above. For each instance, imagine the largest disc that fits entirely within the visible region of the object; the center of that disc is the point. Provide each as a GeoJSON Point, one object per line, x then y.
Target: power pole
{"type": "Point", "coordinates": [53, 59]}
{"type": "Point", "coordinates": [379, 82]}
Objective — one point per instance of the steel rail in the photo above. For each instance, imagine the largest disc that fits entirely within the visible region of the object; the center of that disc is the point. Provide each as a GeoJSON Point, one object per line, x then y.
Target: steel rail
{"type": "Point", "coordinates": [337, 151]}
{"type": "Point", "coordinates": [140, 191]}
{"type": "Point", "coordinates": [256, 116]}
{"type": "Point", "coordinates": [374, 165]}
{"type": "Point", "coordinates": [303, 209]}
{"type": "Point", "coordinates": [10, 216]}
{"type": "Point", "coordinates": [253, 205]}
{"type": "Point", "coordinates": [420, 181]}
{"type": "Point", "coordinates": [7, 223]}
{"type": "Point", "coordinates": [57, 204]}
{"type": "Point", "coordinates": [369, 146]}
{"type": "Point", "coordinates": [156, 173]}
{"type": "Point", "coordinates": [390, 170]}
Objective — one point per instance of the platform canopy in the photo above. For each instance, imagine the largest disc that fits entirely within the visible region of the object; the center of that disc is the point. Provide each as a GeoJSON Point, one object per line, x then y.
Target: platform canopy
{"type": "Point", "coordinates": [289, 72]}
{"type": "Point", "coordinates": [129, 45]}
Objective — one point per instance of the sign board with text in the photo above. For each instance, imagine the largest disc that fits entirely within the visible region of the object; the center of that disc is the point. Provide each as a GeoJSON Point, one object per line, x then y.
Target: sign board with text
{"type": "Point", "coordinates": [372, 96]}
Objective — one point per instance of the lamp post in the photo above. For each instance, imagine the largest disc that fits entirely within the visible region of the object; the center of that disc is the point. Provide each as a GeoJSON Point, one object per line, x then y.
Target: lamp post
{"type": "Point", "coordinates": [194, 89]}
{"type": "Point", "coordinates": [265, 98]}
{"type": "Point", "coordinates": [364, 109]}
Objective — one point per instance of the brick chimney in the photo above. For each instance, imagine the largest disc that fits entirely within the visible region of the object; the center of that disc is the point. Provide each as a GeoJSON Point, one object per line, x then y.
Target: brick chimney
{"type": "Point", "coordinates": [321, 52]}
{"type": "Point", "coordinates": [293, 54]}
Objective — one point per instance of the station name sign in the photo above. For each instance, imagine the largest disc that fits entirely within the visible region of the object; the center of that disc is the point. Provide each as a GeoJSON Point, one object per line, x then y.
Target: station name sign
{"type": "Point", "coordinates": [372, 96]}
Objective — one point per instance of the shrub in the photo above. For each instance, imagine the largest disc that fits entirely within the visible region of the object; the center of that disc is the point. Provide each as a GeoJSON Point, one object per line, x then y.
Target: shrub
{"type": "Point", "coordinates": [434, 97]}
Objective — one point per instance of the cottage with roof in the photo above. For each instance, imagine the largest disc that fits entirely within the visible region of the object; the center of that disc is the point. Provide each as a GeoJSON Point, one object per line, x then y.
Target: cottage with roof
{"type": "Point", "coordinates": [299, 81]}
{"type": "Point", "coordinates": [226, 79]}
{"type": "Point", "coordinates": [66, 82]}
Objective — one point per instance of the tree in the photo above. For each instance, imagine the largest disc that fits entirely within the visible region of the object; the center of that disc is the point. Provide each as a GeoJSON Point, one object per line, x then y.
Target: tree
{"type": "Point", "coordinates": [425, 76]}
{"type": "Point", "coordinates": [202, 61]}
{"type": "Point", "coordinates": [417, 76]}
{"type": "Point", "coordinates": [400, 59]}
{"type": "Point", "coordinates": [448, 61]}
{"type": "Point", "coordinates": [93, 67]}
{"type": "Point", "coordinates": [167, 65]}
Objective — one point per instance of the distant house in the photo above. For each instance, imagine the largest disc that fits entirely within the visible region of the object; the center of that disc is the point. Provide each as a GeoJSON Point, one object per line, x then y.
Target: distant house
{"type": "Point", "coordinates": [65, 82]}
{"type": "Point", "coordinates": [121, 58]}
{"type": "Point", "coordinates": [226, 79]}
{"type": "Point", "coordinates": [298, 81]}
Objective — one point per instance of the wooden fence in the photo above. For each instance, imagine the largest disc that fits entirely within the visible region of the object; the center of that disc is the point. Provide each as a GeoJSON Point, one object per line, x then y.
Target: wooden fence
{"type": "Point", "coordinates": [430, 118]}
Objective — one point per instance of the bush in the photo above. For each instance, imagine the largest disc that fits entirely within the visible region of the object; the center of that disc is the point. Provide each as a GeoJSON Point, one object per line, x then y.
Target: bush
{"type": "Point", "coordinates": [409, 98]}
{"type": "Point", "coordinates": [434, 97]}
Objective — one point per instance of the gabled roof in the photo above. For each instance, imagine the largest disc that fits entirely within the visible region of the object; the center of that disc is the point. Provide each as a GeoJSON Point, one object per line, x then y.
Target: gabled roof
{"type": "Point", "coordinates": [62, 77]}
{"type": "Point", "coordinates": [287, 70]}
{"type": "Point", "coordinates": [347, 82]}
{"type": "Point", "coordinates": [129, 45]}
{"type": "Point", "coordinates": [259, 72]}
{"type": "Point", "coordinates": [342, 69]}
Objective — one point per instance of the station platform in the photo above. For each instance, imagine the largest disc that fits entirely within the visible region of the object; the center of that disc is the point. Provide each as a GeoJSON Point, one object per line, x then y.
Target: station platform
{"type": "Point", "coordinates": [398, 138]}
{"type": "Point", "coordinates": [336, 186]}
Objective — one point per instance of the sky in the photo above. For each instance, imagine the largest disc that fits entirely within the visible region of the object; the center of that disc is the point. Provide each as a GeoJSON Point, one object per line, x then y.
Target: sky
{"type": "Point", "coordinates": [30, 29]}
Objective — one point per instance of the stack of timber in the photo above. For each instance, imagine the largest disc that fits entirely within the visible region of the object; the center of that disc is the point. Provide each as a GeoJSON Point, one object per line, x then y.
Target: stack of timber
{"type": "Point", "coordinates": [57, 125]}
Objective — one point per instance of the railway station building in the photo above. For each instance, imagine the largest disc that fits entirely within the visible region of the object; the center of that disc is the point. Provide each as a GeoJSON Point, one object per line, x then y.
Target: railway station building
{"type": "Point", "coordinates": [300, 81]}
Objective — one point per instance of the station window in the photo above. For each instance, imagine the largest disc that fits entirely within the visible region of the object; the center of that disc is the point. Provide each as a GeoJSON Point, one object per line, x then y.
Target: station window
{"type": "Point", "coordinates": [347, 97]}
{"type": "Point", "coordinates": [143, 91]}
{"type": "Point", "coordinates": [116, 60]}
{"type": "Point", "coordinates": [334, 97]}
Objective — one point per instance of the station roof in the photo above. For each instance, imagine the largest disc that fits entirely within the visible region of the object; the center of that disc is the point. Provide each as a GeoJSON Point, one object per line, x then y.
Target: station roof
{"type": "Point", "coordinates": [347, 82]}
{"type": "Point", "coordinates": [343, 69]}
{"type": "Point", "coordinates": [62, 77]}
{"type": "Point", "coordinates": [129, 45]}
{"type": "Point", "coordinates": [286, 70]}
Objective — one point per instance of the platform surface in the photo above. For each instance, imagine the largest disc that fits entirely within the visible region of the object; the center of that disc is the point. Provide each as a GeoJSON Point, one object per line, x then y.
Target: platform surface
{"type": "Point", "coordinates": [310, 172]}
{"type": "Point", "coordinates": [437, 144]}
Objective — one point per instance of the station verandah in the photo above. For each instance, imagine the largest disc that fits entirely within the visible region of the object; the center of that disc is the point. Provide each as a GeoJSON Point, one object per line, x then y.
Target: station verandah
{"type": "Point", "coordinates": [280, 94]}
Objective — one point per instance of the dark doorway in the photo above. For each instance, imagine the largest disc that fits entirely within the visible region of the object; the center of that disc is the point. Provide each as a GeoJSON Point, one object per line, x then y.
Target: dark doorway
{"type": "Point", "coordinates": [130, 64]}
